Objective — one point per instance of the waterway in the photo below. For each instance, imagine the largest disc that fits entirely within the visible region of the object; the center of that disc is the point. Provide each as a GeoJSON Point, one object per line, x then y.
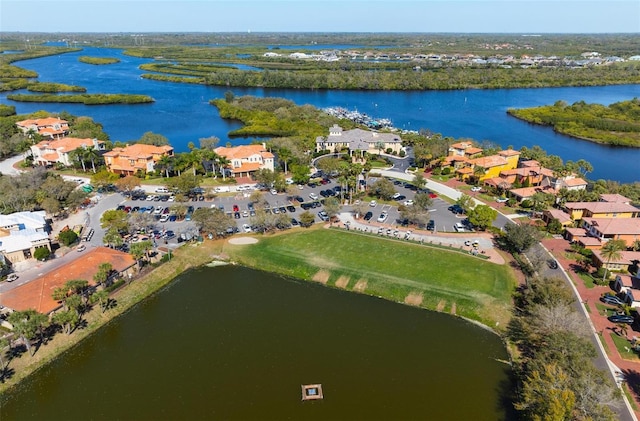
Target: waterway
{"type": "Point", "coordinates": [182, 113]}
{"type": "Point", "coordinates": [235, 343]}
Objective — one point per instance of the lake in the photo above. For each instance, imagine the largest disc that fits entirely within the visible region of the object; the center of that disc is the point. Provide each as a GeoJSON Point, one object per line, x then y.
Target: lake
{"type": "Point", "coordinates": [182, 113]}
{"type": "Point", "coordinates": [235, 343]}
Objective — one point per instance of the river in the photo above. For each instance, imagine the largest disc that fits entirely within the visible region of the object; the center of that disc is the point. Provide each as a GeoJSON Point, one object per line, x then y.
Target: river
{"type": "Point", "coordinates": [235, 343]}
{"type": "Point", "coordinates": [182, 112]}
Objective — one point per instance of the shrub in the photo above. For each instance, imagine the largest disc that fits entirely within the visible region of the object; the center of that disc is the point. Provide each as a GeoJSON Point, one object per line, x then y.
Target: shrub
{"type": "Point", "coordinates": [446, 171]}
{"type": "Point", "coordinates": [41, 253]}
{"type": "Point", "coordinates": [402, 154]}
{"type": "Point", "coordinates": [526, 204]}
{"type": "Point", "coordinates": [67, 237]}
{"type": "Point", "coordinates": [437, 171]}
{"type": "Point", "coordinates": [389, 151]}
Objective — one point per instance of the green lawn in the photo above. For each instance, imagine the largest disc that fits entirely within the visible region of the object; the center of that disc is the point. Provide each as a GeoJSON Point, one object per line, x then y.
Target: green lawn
{"type": "Point", "coordinates": [623, 344]}
{"type": "Point", "coordinates": [391, 269]}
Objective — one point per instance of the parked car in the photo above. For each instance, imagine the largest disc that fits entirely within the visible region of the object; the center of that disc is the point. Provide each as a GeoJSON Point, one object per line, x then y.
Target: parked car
{"type": "Point", "coordinates": [383, 216]}
{"type": "Point", "coordinates": [323, 215]}
{"type": "Point", "coordinates": [459, 227]}
{"type": "Point", "coordinates": [81, 247]}
{"type": "Point", "coordinates": [313, 196]}
{"type": "Point", "coordinates": [246, 227]}
{"type": "Point", "coordinates": [501, 199]}
{"type": "Point", "coordinates": [368, 216]}
{"type": "Point", "coordinates": [476, 188]}
{"type": "Point", "coordinates": [621, 318]}
{"type": "Point", "coordinates": [408, 202]}
{"type": "Point", "coordinates": [373, 203]}
{"type": "Point", "coordinates": [611, 299]}
{"type": "Point", "coordinates": [12, 277]}
{"type": "Point", "coordinates": [552, 264]}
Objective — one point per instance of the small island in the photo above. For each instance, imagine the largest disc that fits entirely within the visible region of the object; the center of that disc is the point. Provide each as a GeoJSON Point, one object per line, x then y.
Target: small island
{"type": "Point", "coordinates": [87, 99]}
{"type": "Point", "coordinates": [617, 124]}
{"type": "Point", "coordinates": [98, 60]}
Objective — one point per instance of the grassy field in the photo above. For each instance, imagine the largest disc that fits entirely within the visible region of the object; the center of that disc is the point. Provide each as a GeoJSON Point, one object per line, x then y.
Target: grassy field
{"type": "Point", "coordinates": [446, 281]}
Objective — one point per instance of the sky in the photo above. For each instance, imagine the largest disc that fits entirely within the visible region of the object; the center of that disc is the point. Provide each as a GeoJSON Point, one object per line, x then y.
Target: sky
{"type": "Point", "coordinates": [453, 16]}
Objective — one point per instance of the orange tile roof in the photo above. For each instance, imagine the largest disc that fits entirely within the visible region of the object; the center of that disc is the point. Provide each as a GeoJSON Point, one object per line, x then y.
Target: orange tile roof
{"type": "Point", "coordinates": [602, 207]}
{"type": "Point", "coordinates": [572, 182]}
{"type": "Point", "coordinates": [615, 226]}
{"type": "Point", "coordinates": [509, 152]}
{"type": "Point", "coordinates": [139, 150]}
{"type": "Point", "coordinates": [626, 257]}
{"type": "Point", "coordinates": [465, 170]}
{"type": "Point", "coordinates": [247, 167]}
{"type": "Point", "coordinates": [37, 293]}
{"type": "Point", "coordinates": [66, 144]}
{"type": "Point", "coordinates": [243, 151]}
{"type": "Point", "coordinates": [455, 158]}
{"type": "Point", "coordinates": [489, 161]}
{"type": "Point", "coordinates": [51, 157]}
{"type": "Point", "coordinates": [462, 145]}
{"type": "Point", "coordinates": [48, 121]}
{"type": "Point", "coordinates": [617, 198]}
{"type": "Point", "coordinates": [526, 192]}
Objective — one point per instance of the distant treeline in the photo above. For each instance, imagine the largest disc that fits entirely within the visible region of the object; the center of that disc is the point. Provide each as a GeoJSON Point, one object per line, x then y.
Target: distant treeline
{"type": "Point", "coordinates": [338, 77]}
{"type": "Point", "coordinates": [617, 124]}
{"type": "Point", "coordinates": [87, 99]}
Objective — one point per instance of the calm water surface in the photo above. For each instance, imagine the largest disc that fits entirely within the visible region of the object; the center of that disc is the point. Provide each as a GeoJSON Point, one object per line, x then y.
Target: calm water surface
{"type": "Point", "coordinates": [182, 113]}
{"type": "Point", "coordinates": [234, 343]}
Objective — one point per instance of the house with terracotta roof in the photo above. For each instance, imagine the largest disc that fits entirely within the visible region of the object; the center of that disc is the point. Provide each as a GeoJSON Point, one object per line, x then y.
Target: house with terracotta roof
{"type": "Point", "coordinates": [50, 127]}
{"type": "Point", "coordinates": [491, 165]}
{"type": "Point", "coordinates": [247, 159]}
{"type": "Point", "coordinates": [136, 158]}
{"type": "Point", "coordinates": [21, 233]}
{"type": "Point", "coordinates": [37, 293]}
{"type": "Point", "coordinates": [623, 263]}
{"type": "Point", "coordinates": [464, 149]}
{"type": "Point", "coordinates": [629, 285]}
{"type": "Point", "coordinates": [50, 152]}
{"type": "Point", "coordinates": [606, 229]}
{"type": "Point", "coordinates": [358, 140]}
{"type": "Point", "coordinates": [601, 209]}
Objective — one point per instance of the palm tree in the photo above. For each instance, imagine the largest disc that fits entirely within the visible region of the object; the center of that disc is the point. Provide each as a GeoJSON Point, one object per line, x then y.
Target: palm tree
{"type": "Point", "coordinates": [92, 155]}
{"type": "Point", "coordinates": [612, 250]}
{"type": "Point", "coordinates": [222, 164]}
{"type": "Point", "coordinates": [285, 156]}
{"type": "Point", "coordinates": [78, 155]}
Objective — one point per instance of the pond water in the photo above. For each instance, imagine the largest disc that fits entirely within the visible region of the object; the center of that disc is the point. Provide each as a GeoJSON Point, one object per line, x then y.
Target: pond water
{"type": "Point", "coordinates": [235, 343]}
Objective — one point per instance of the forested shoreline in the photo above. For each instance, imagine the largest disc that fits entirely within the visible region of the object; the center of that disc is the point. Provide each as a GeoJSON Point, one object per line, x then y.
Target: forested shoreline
{"type": "Point", "coordinates": [617, 124]}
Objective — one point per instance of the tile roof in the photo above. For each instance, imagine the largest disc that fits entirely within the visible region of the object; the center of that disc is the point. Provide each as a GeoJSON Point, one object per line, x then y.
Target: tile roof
{"type": "Point", "coordinates": [508, 152]}
{"type": "Point", "coordinates": [561, 216]}
{"type": "Point", "coordinates": [247, 167]}
{"type": "Point", "coordinates": [626, 257]}
{"type": "Point", "coordinates": [489, 161]}
{"type": "Point", "coordinates": [243, 151]}
{"type": "Point", "coordinates": [577, 232]}
{"type": "Point", "coordinates": [572, 182]}
{"type": "Point", "coordinates": [615, 226]}
{"type": "Point", "coordinates": [66, 144]}
{"type": "Point", "coordinates": [526, 192]}
{"type": "Point", "coordinates": [139, 150]}
{"type": "Point", "coordinates": [602, 207]}
{"type": "Point", "coordinates": [615, 198]}
{"type": "Point", "coordinates": [37, 293]}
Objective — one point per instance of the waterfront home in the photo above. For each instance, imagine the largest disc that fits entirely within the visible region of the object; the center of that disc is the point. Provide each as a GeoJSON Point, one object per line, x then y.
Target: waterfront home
{"type": "Point", "coordinates": [37, 293]}
{"type": "Point", "coordinates": [21, 233]}
{"type": "Point", "coordinates": [50, 127]}
{"type": "Point", "coordinates": [136, 158]}
{"type": "Point", "coordinates": [247, 159]}
{"type": "Point", "coordinates": [488, 167]}
{"type": "Point", "coordinates": [606, 229]}
{"type": "Point", "coordinates": [603, 208]}
{"type": "Point", "coordinates": [629, 285]}
{"type": "Point", "coordinates": [358, 140]}
{"type": "Point", "coordinates": [626, 261]}
{"type": "Point", "coordinates": [50, 152]}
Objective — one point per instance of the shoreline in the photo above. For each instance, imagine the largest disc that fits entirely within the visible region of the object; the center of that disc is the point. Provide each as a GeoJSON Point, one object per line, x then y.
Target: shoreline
{"type": "Point", "coordinates": [186, 258]}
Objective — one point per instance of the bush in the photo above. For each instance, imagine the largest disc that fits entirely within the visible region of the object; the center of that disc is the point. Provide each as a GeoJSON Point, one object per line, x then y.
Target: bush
{"type": "Point", "coordinates": [526, 204]}
{"type": "Point", "coordinates": [67, 237]}
{"type": "Point", "coordinates": [389, 151]}
{"type": "Point", "coordinates": [402, 154]}
{"type": "Point", "coordinates": [511, 202]}
{"type": "Point", "coordinates": [437, 171]}
{"type": "Point", "coordinates": [446, 171]}
{"type": "Point", "coordinates": [41, 253]}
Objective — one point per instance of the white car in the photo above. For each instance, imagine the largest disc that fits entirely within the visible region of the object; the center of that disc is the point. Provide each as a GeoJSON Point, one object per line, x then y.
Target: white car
{"type": "Point", "coordinates": [12, 277]}
{"type": "Point", "coordinates": [501, 199]}
{"type": "Point", "coordinates": [172, 198]}
{"type": "Point", "coordinates": [408, 202]}
{"type": "Point", "coordinates": [246, 227]}
{"type": "Point", "coordinates": [81, 247]}
{"type": "Point", "coordinates": [313, 196]}
{"type": "Point", "coordinates": [373, 203]}
{"type": "Point", "coordinates": [274, 191]}
{"type": "Point", "coordinates": [476, 188]}
{"type": "Point", "coordinates": [396, 195]}
{"type": "Point", "coordinates": [383, 216]}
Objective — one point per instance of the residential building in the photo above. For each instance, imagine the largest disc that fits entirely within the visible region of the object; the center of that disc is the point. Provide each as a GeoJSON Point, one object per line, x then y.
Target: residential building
{"type": "Point", "coordinates": [50, 152]}
{"type": "Point", "coordinates": [358, 141]}
{"type": "Point", "coordinates": [490, 166]}
{"type": "Point", "coordinates": [135, 158]}
{"type": "Point", "coordinates": [50, 127]}
{"type": "Point", "coordinates": [247, 159]}
{"type": "Point", "coordinates": [37, 293]}
{"type": "Point", "coordinates": [606, 229]}
{"type": "Point", "coordinates": [602, 209]}
{"type": "Point", "coordinates": [21, 233]}
{"type": "Point", "coordinates": [629, 285]}
{"type": "Point", "coordinates": [623, 263]}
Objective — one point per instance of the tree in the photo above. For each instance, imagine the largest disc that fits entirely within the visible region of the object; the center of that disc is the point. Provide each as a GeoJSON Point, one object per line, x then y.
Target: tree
{"type": "Point", "coordinates": [116, 219]}
{"type": "Point", "coordinates": [184, 183]}
{"type": "Point", "coordinates": [482, 216]}
{"type": "Point", "coordinates": [419, 181]}
{"type": "Point", "coordinates": [67, 237]}
{"type": "Point", "coordinates": [612, 250]}
{"type": "Point", "coordinates": [26, 325]}
{"type": "Point", "coordinates": [422, 201]}
{"type": "Point", "coordinates": [68, 319]}
{"type": "Point", "coordinates": [332, 208]}
{"type": "Point", "coordinates": [4, 363]}
{"type": "Point", "coordinates": [140, 249]}
{"type": "Point", "coordinates": [383, 188]}
{"type": "Point", "coordinates": [127, 184]}
{"type": "Point", "coordinates": [103, 273]}
{"type": "Point", "coordinates": [300, 174]}
{"type": "Point", "coordinates": [521, 237]}
{"type": "Point", "coordinates": [359, 209]}
{"type": "Point", "coordinates": [212, 220]}
{"type": "Point", "coordinates": [150, 138]}
{"type": "Point", "coordinates": [285, 155]}
{"type": "Point", "coordinates": [466, 202]}
{"type": "Point", "coordinates": [101, 297]}
{"type": "Point", "coordinates": [307, 219]}
{"type": "Point", "coordinates": [103, 178]}
{"type": "Point", "coordinates": [265, 177]}
{"type": "Point", "coordinates": [209, 142]}
{"type": "Point", "coordinates": [112, 237]}
{"type": "Point", "coordinates": [41, 253]}
{"type": "Point", "coordinates": [547, 394]}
